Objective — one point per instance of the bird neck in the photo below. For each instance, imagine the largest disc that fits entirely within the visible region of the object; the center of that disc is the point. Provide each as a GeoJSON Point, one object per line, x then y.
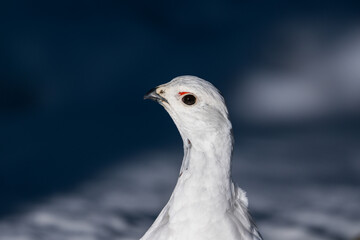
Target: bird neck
{"type": "Point", "coordinates": [207, 161]}
{"type": "Point", "coordinates": [204, 182]}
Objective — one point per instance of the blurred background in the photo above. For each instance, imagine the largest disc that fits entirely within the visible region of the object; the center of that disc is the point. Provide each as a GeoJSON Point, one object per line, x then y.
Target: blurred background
{"type": "Point", "coordinates": [82, 156]}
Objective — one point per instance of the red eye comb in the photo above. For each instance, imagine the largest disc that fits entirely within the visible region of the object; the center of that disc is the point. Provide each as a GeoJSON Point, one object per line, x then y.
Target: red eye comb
{"type": "Point", "coordinates": [182, 93]}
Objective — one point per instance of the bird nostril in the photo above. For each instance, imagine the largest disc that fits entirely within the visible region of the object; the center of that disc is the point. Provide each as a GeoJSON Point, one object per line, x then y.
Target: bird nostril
{"type": "Point", "coordinates": [161, 91]}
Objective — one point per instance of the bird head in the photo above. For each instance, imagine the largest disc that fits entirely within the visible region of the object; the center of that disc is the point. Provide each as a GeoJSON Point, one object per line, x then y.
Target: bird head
{"type": "Point", "coordinates": [195, 105]}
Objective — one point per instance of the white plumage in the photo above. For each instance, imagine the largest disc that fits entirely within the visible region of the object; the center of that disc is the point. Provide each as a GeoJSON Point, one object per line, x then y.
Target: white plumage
{"type": "Point", "coordinates": [205, 204]}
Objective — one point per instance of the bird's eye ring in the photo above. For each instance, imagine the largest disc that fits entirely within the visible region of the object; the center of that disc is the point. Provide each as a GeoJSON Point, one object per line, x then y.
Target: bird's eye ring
{"type": "Point", "coordinates": [189, 99]}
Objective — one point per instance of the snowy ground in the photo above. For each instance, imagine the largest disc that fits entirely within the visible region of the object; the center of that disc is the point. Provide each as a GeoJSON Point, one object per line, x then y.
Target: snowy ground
{"type": "Point", "coordinates": [292, 196]}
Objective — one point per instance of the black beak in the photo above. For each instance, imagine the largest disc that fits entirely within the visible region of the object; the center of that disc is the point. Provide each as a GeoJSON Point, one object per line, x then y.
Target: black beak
{"type": "Point", "coordinates": [152, 95]}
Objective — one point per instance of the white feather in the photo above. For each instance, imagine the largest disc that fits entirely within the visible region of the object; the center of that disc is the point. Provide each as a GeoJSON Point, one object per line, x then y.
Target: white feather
{"type": "Point", "coordinates": [205, 204]}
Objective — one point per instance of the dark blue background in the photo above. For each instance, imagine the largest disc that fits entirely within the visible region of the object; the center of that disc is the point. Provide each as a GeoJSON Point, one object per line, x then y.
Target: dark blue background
{"type": "Point", "coordinates": [73, 73]}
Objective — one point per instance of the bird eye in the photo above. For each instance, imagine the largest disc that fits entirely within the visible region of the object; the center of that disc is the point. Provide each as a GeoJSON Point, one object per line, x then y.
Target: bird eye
{"type": "Point", "coordinates": [189, 99]}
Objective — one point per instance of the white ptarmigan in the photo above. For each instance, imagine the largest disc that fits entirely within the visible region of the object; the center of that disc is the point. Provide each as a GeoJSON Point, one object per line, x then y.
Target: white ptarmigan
{"type": "Point", "coordinates": [205, 204]}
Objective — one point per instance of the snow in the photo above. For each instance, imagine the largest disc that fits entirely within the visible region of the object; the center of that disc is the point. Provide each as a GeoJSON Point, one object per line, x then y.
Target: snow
{"type": "Point", "coordinates": [316, 76]}
{"type": "Point", "coordinates": [286, 200]}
